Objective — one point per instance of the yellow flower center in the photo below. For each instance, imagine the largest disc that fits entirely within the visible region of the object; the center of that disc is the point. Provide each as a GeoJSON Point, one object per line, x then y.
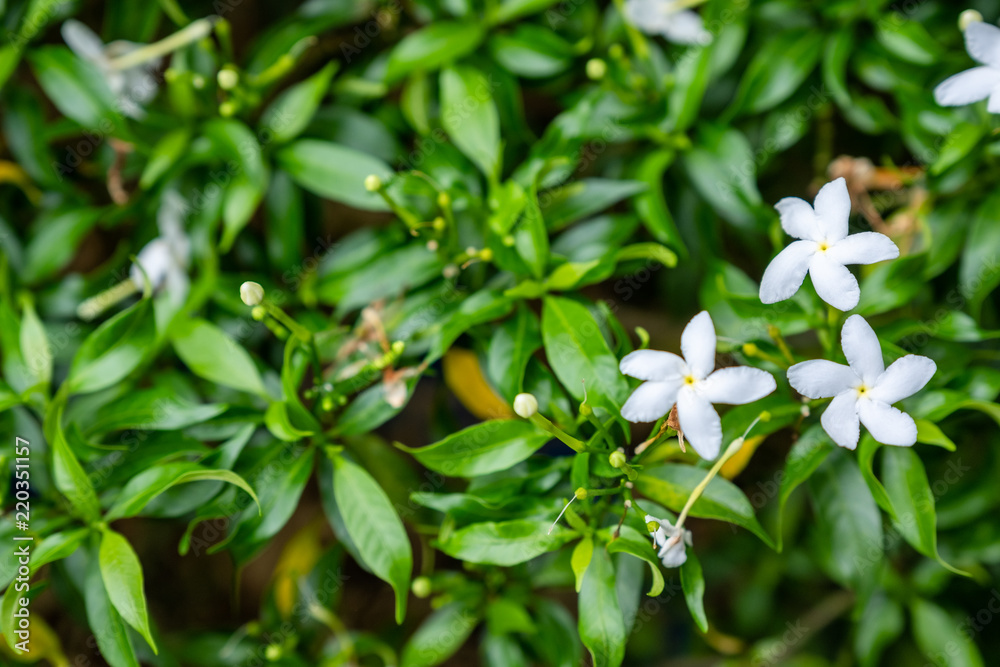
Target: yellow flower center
{"type": "Point", "coordinates": [824, 246]}
{"type": "Point", "coordinates": [862, 390]}
{"type": "Point", "coordinates": [689, 379]}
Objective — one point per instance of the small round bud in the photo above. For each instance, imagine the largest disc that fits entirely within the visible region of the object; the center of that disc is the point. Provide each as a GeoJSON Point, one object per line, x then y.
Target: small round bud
{"type": "Point", "coordinates": [327, 403]}
{"type": "Point", "coordinates": [628, 504]}
{"type": "Point", "coordinates": [198, 81]}
{"type": "Point", "coordinates": [486, 255]}
{"type": "Point", "coordinates": [373, 183]}
{"type": "Point", "coordinates": [170, 75]}
{"type": "Point", "coordinates": [227, 78]}
{"type": "Point", "coordinates": [967, 18]}
{"type": "Point", "coordinates": [251, 293]}
{"type": "Point", "coordinates": [450, 271]}
{"type": "Point", "coordinates": [525, 405]}
{"type": "Point", "coordinates": [581, 493]}
{"type": "Point", "coordinates": [471, 251]}
{"type": "Point", "coordinates": [629, 485]}
{"type": "Point", "coordinates": [227, 109]}
{"type": "Point", "coordinates": [750, 349]}
{"type": "Point", "coordinates": [397, 347]}
{"type": "Point", "coordinates": [804, 410]}
{"type": "Point", "coordinates": [616, 51]}
{"type": "Point", "coordinates": [586, 410]}
{"type": "Point", "coordinates": [616, 459]}
{"type": "Point", "coordinates": [258, 313]}
{"type": "Point", "coordinates": [596, 69]}
{"type": "Point", "coordinates": [421, 587]}
{"type": "Point", "coordinates": [508, 240]}
{"type": "Point", "coordinates": [765, 416]}
{"type": "Point", "coordinates": [444, 199]}
{"type": "Point", "coordinates": [273, 652]}
{"type": "Point", "coordinates": [433, 245]}
{"type": "Point", "coordinates": [652, 526]}
{"type": "Point", "coordinates": [438, 224]}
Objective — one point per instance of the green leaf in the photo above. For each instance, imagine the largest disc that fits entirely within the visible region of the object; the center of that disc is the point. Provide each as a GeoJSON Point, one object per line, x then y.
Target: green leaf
{"type": "Point", "coordinates": [290, 113]}
{"type": "Point", "coordinates": [531, 236]}
{"type": "Point", "coordinates": [693, 584]}
{"type": "Point", "coordinates": [105, 621]}
{"type": "Point", "coordinates": [374, 527]}
{"type": "Point", "coordinates": [113, 350]}
{"type": "Point", "coordinates": [56, 547]}
{"type": "Point", "coordinates": [907, 40]}
{"type": "Point", "coordinates": [69, 476]}
{"type": "Point", "coordinates": [979, 273]}
{"type": "Point", "coordinates": [469, 116]}
{"type": "Point", "coordinates": [237, 143]}
{"type": "Point", "coordinates": [671, 485]}
{"type": "Point", "coordinates": [939, 634]}
{"type": "Point", "coordinates": [279, 423]}
{"type": "Point", "coordinates": [59, 235]}
{"type": "Point", "coordinates": [35, 349]}
{"type": "Point", "coordinates": [335, 172]}
{"type": "Point", "coordinates": [122, 575]}
{"type": "Point", "coordinates": [150, 483]}
{"type": "Point", "coordinates": [508, 10]}
{"type": "Point", "coordinates": [8, 622]}
{"type": "Point", "coordinates": [511, 345]}
{"type": "Point", "coordinates": [601, 625]}
{"type": "Point", "coordinates": [214, 356]}
{"type": "Point", "coordinates": [165, 154]}
{"type": "Point", "coordinates": [579, 355]}
{"type": "Point", "coordinates": [777, 70]}
{"type": "Point", "coordinates": [960, 141]}
{"type": "Point", "coordinates": [580, 559]}
{"type": "Point", "coordinates": [692, 77]}
{"type": "Point", "coordinates": [505, 542]}
{"type": "Point", "coordinates": [432, 46]}
{"type": "Point", "coordinates": [482, 449]}
{"type": "Point", "coordinates": [651, 204]}
{"type": "Point", "coordinates": [848, 524]}
{"type": "Point", "coordinates": [930, 433]}
{"type": "Point", "coordinates": [630, 541]}
{"type": "Point", "coordinates": [722, 168]}
{"type": "Point", "coordinates": [807, 454]}
{"type": "Point", "coordinates": [580, 199]}
{"type": "Point", "coordinates": [911, 496]}
{"type": "Point", "coordinates": [439, 636]}
{"type": "Point", "coordinates": [77, 88]}
{"type": "Point", "coordinates": [880, 624]}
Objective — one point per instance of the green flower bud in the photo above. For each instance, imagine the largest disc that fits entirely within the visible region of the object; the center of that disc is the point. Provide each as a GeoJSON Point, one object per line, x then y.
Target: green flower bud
{"type": "Point", "coordinates": [616, 459]}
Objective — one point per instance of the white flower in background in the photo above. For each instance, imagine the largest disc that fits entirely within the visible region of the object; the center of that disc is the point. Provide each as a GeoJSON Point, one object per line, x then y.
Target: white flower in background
{"type": "Point", "coordinates": [132, 87]}
{"type": "Point", "coordinates": [691, 384]}
{"type": "Point", "coordinates": [865, 390]}
{"type": "Point", "coordinates": [669, 18]}
{"type": "Point", "coordinates": [824, 249]}
{"type": "Point", "coordinates": [165, 259]}
{"type": "Point", "coordinates": [982, 41]}
{"type": "Point", "coordinates": [671, 541]}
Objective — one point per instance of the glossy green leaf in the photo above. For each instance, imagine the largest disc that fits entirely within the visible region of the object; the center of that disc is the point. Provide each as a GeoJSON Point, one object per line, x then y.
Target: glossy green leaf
{"type": "Point", "coordinates": [432, 46]}
{"type": "Point", "coordinates": [214, 356]}
{"type": "Point", "coordinates": [335, 172]}
{"type": "Point", "coordinates": [600, 618]}
{"type": "Point", "coordinates": [113, 350]}
{"type": "Point", "coordinates": [939, 634]}
{"type": "Point", "coordinates": [469, 116]}
{"type": "Point", "coordinates": [439, 636]}
{"type": "Point", "coordinates": [481, 449]}
{"type": "Point", "coordinates": [505, 542]}
{"type": "Point", "coordinates": [148, 484]}
{"type": "Point", "coordinates": [806, 455]}
{"type": "Point", "coordinates": [123, 581]}
{"type": "Point", "coordinates": [289, 114]}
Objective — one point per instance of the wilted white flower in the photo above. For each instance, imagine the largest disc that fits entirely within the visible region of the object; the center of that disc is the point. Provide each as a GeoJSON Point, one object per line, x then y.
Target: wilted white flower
{"type": "Point", "coordinates": [865, 390]}
{"type": "Point", "coordinates": [132, 87]}
{"type": "Point", "coordinates": [165, 259]}
{"type": "Point", "coordinates": [982, 41]}
{"type": "Point", "coordinates": [824, 249]}
{"type": "Point", "coordinates": [669, 18]}
{"type": "Point", "coordinates": [691, 384]}
{"type": "Point", "coordinates": [671, 541]}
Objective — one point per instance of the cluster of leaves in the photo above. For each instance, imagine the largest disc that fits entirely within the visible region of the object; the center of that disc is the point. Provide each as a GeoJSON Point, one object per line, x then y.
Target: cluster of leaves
{"type": "Point", "coordinates": [539, 167]}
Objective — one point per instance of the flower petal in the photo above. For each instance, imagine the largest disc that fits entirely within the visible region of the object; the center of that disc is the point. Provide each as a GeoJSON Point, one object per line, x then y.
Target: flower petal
{"type": "Point", "coordinates": [798, 218]}
{"type": "Point", "coordinates": [862, 349]}
{"type": "Point", "coordinates": [82, 40]}
{"type": "Point", "coordinates": [887, 424]}
{"type": "Point", "coordinates": [783, 276]}
{"type": "Point", "coordinates": [833, 208]}
{"type": "Point", "coordinates": [698, 345]}
{"type": "Point", "coordinates": [685, 27]}
{"type": "Point", "coordinates": [982, 41]}
{"type": "Point", "coordinates": [736, 385]}
{"type": "Point", "coordinates": [863, 248]}
{"type": "Point", "coordinates": [993, 105]}
{"type": "Point", "coordinates": [904, 377]}
{"type": "Point", "coordinates": [967, 87]}
{"type": "Point", "coordinates": [700, 423]}
{"type": "Point", "coordinates": [840, 419]}
{"type": "Point", "coordinates": [819, 378]}
{"type": "Point", "coordinates": [653, 365]}
{"type": "Point", "coordinates": [834, 282]}
{"type": "Point", "coordinates": [650, 401]}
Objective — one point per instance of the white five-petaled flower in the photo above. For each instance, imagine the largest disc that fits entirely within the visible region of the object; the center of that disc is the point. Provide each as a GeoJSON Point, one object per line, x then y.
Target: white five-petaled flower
{"type": "Point", "coordinates": [671, 541]}
{"type": "Point", "coordinates": [165, 259]}
{"type": "Point", "coordinates": [982, 41]}
{"type": "Point", "coordinates": [690, 383]}
{"type": "Point", "coordinates": [865, 390]}
{"type": "Point", "coordinates": [824, 249]}
{"type": "Point", "coordinates": [132, 87]}
{"type": "Point", "coordinates": [669, 18]}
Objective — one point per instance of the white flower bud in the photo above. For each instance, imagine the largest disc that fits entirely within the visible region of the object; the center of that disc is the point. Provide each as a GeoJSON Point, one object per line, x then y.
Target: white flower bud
{"type": "Point", "coordinates": [525, 405]}
{"type": "Point", "coordinates": [228, 79]}
{"type": "Point", "coordinates": [373, 183]}
{"type": "Point", "coordinates": [251, 293]}
{"type": "Point", "coordinates": [967, 18]}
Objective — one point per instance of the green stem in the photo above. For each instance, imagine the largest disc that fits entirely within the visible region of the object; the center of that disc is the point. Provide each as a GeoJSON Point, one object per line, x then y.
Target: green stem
{"type": "Point", "coordinates": [181, 38]}
{"type": "Point", "coordinates": [297, 329]}
{"type": "Point", "coordinates": [544, 424]}
{"type": "Point", "coordinates": [174, 12]}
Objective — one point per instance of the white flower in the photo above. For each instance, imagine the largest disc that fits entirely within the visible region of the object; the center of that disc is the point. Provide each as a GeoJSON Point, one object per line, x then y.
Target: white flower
{"type": "Point", "coordinates": [670, 541]}
{"type": "Point", "coordinates": [865, 390]}
{"type": "Point", "coordinates": [982, 41]}
{"type": "Point", "coordinates": [165, 259]}
{"type": "Point", "coordinates": [668, 18]}
{"type": "Point", "coordinates": [691, 384]}
{"type": "Point", "coordinates": [132, 87]}
{"type": "Point", "coordinates": [824, 249]}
